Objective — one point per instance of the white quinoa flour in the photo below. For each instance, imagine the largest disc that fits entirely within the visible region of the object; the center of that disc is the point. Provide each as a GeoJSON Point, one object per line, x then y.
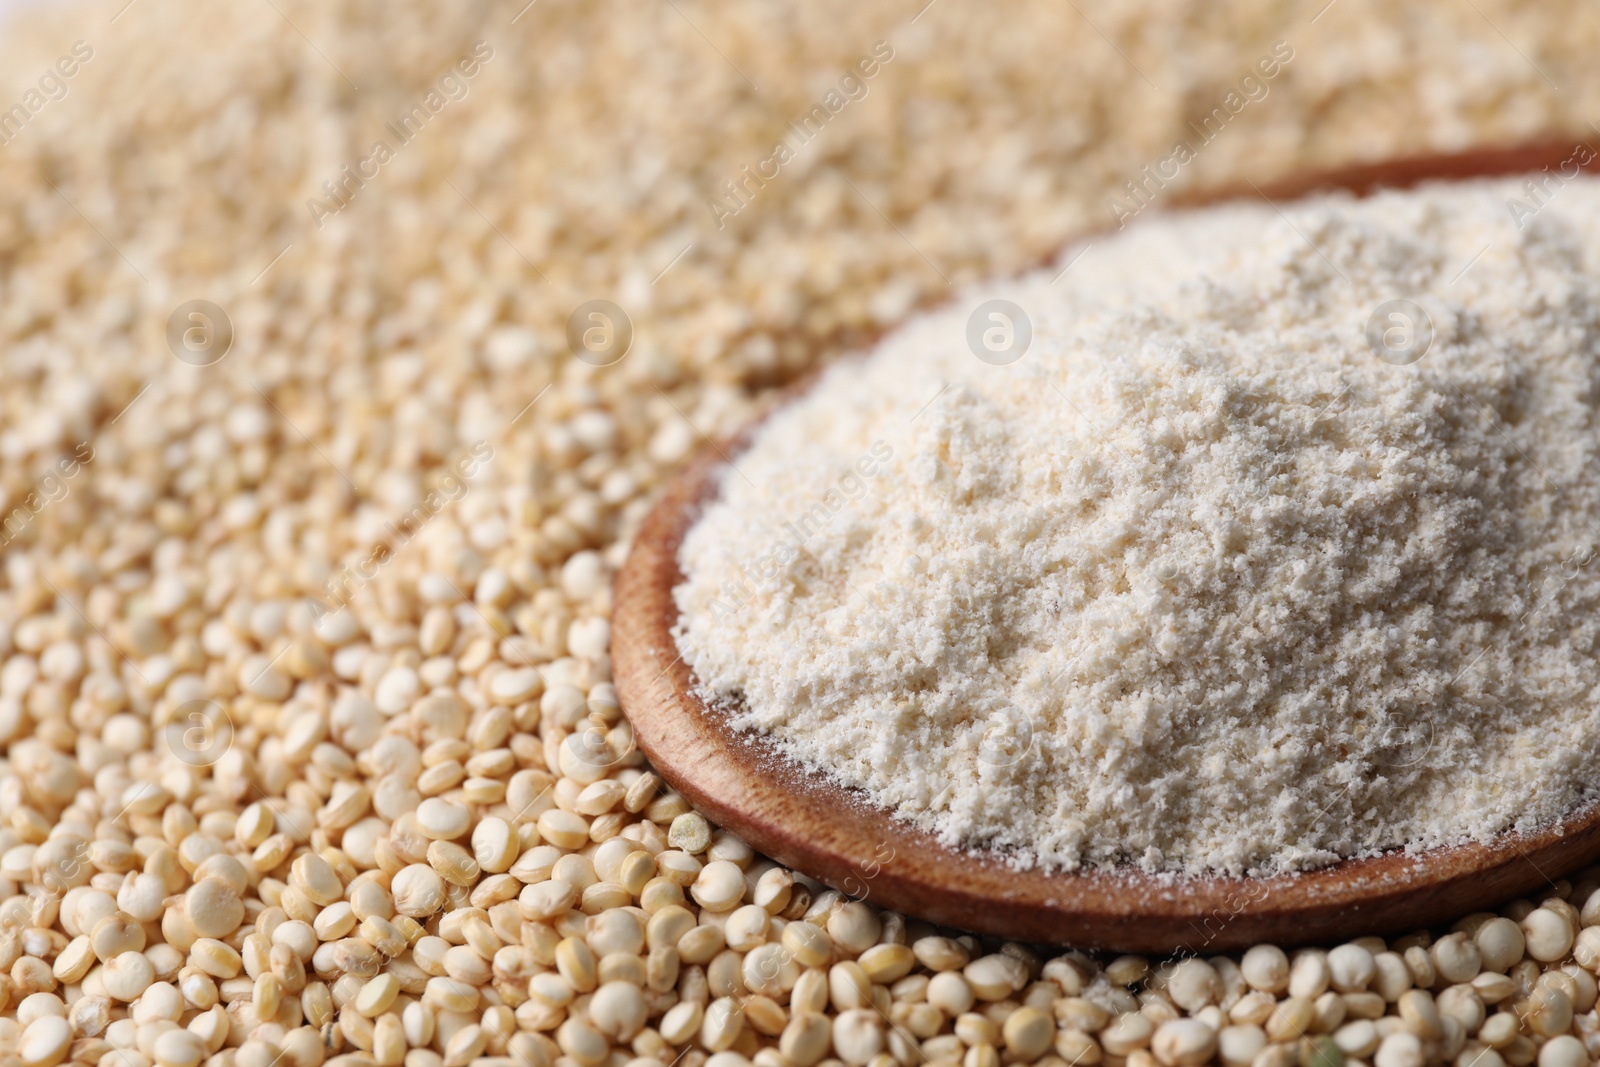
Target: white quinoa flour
{"type": "Point", "coordinates": [1199, 582]}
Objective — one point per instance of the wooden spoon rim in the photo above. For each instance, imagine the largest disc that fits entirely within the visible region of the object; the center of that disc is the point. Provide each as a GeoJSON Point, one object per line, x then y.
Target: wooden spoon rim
{"type": "Point", "coordinates": [802, 819]}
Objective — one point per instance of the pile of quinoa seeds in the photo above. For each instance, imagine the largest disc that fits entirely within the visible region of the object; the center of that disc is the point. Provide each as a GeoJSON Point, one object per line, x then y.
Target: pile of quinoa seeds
{"type": "Point", "coordinates": [238, 829]}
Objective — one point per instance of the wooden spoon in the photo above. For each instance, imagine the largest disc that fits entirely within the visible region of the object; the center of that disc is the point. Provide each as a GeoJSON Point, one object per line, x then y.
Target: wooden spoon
{"type": "Point", "coordinates": [836, 836]}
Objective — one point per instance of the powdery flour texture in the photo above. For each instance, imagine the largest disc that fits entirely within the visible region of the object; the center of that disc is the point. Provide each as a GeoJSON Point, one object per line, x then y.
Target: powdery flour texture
{"type": "Point", "coordinates": [1200, 582]}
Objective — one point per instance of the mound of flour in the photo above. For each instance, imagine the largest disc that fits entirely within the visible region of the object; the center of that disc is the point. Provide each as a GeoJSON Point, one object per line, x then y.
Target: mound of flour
{"type": "Point", "coordinates": [1200, 582]}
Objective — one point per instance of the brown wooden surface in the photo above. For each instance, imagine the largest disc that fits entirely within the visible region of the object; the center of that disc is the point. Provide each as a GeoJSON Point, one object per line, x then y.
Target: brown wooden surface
{"type": "Point", "coordinates": [833, 835]}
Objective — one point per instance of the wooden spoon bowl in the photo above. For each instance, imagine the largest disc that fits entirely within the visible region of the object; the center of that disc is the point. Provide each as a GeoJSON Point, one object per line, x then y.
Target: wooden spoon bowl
{"type": "Point", "coordinates": [835, 835]}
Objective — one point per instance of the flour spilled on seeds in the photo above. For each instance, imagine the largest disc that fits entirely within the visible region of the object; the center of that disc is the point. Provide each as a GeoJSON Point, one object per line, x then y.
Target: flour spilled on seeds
{"type": "Point", "coordinates": [1206, 580]}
